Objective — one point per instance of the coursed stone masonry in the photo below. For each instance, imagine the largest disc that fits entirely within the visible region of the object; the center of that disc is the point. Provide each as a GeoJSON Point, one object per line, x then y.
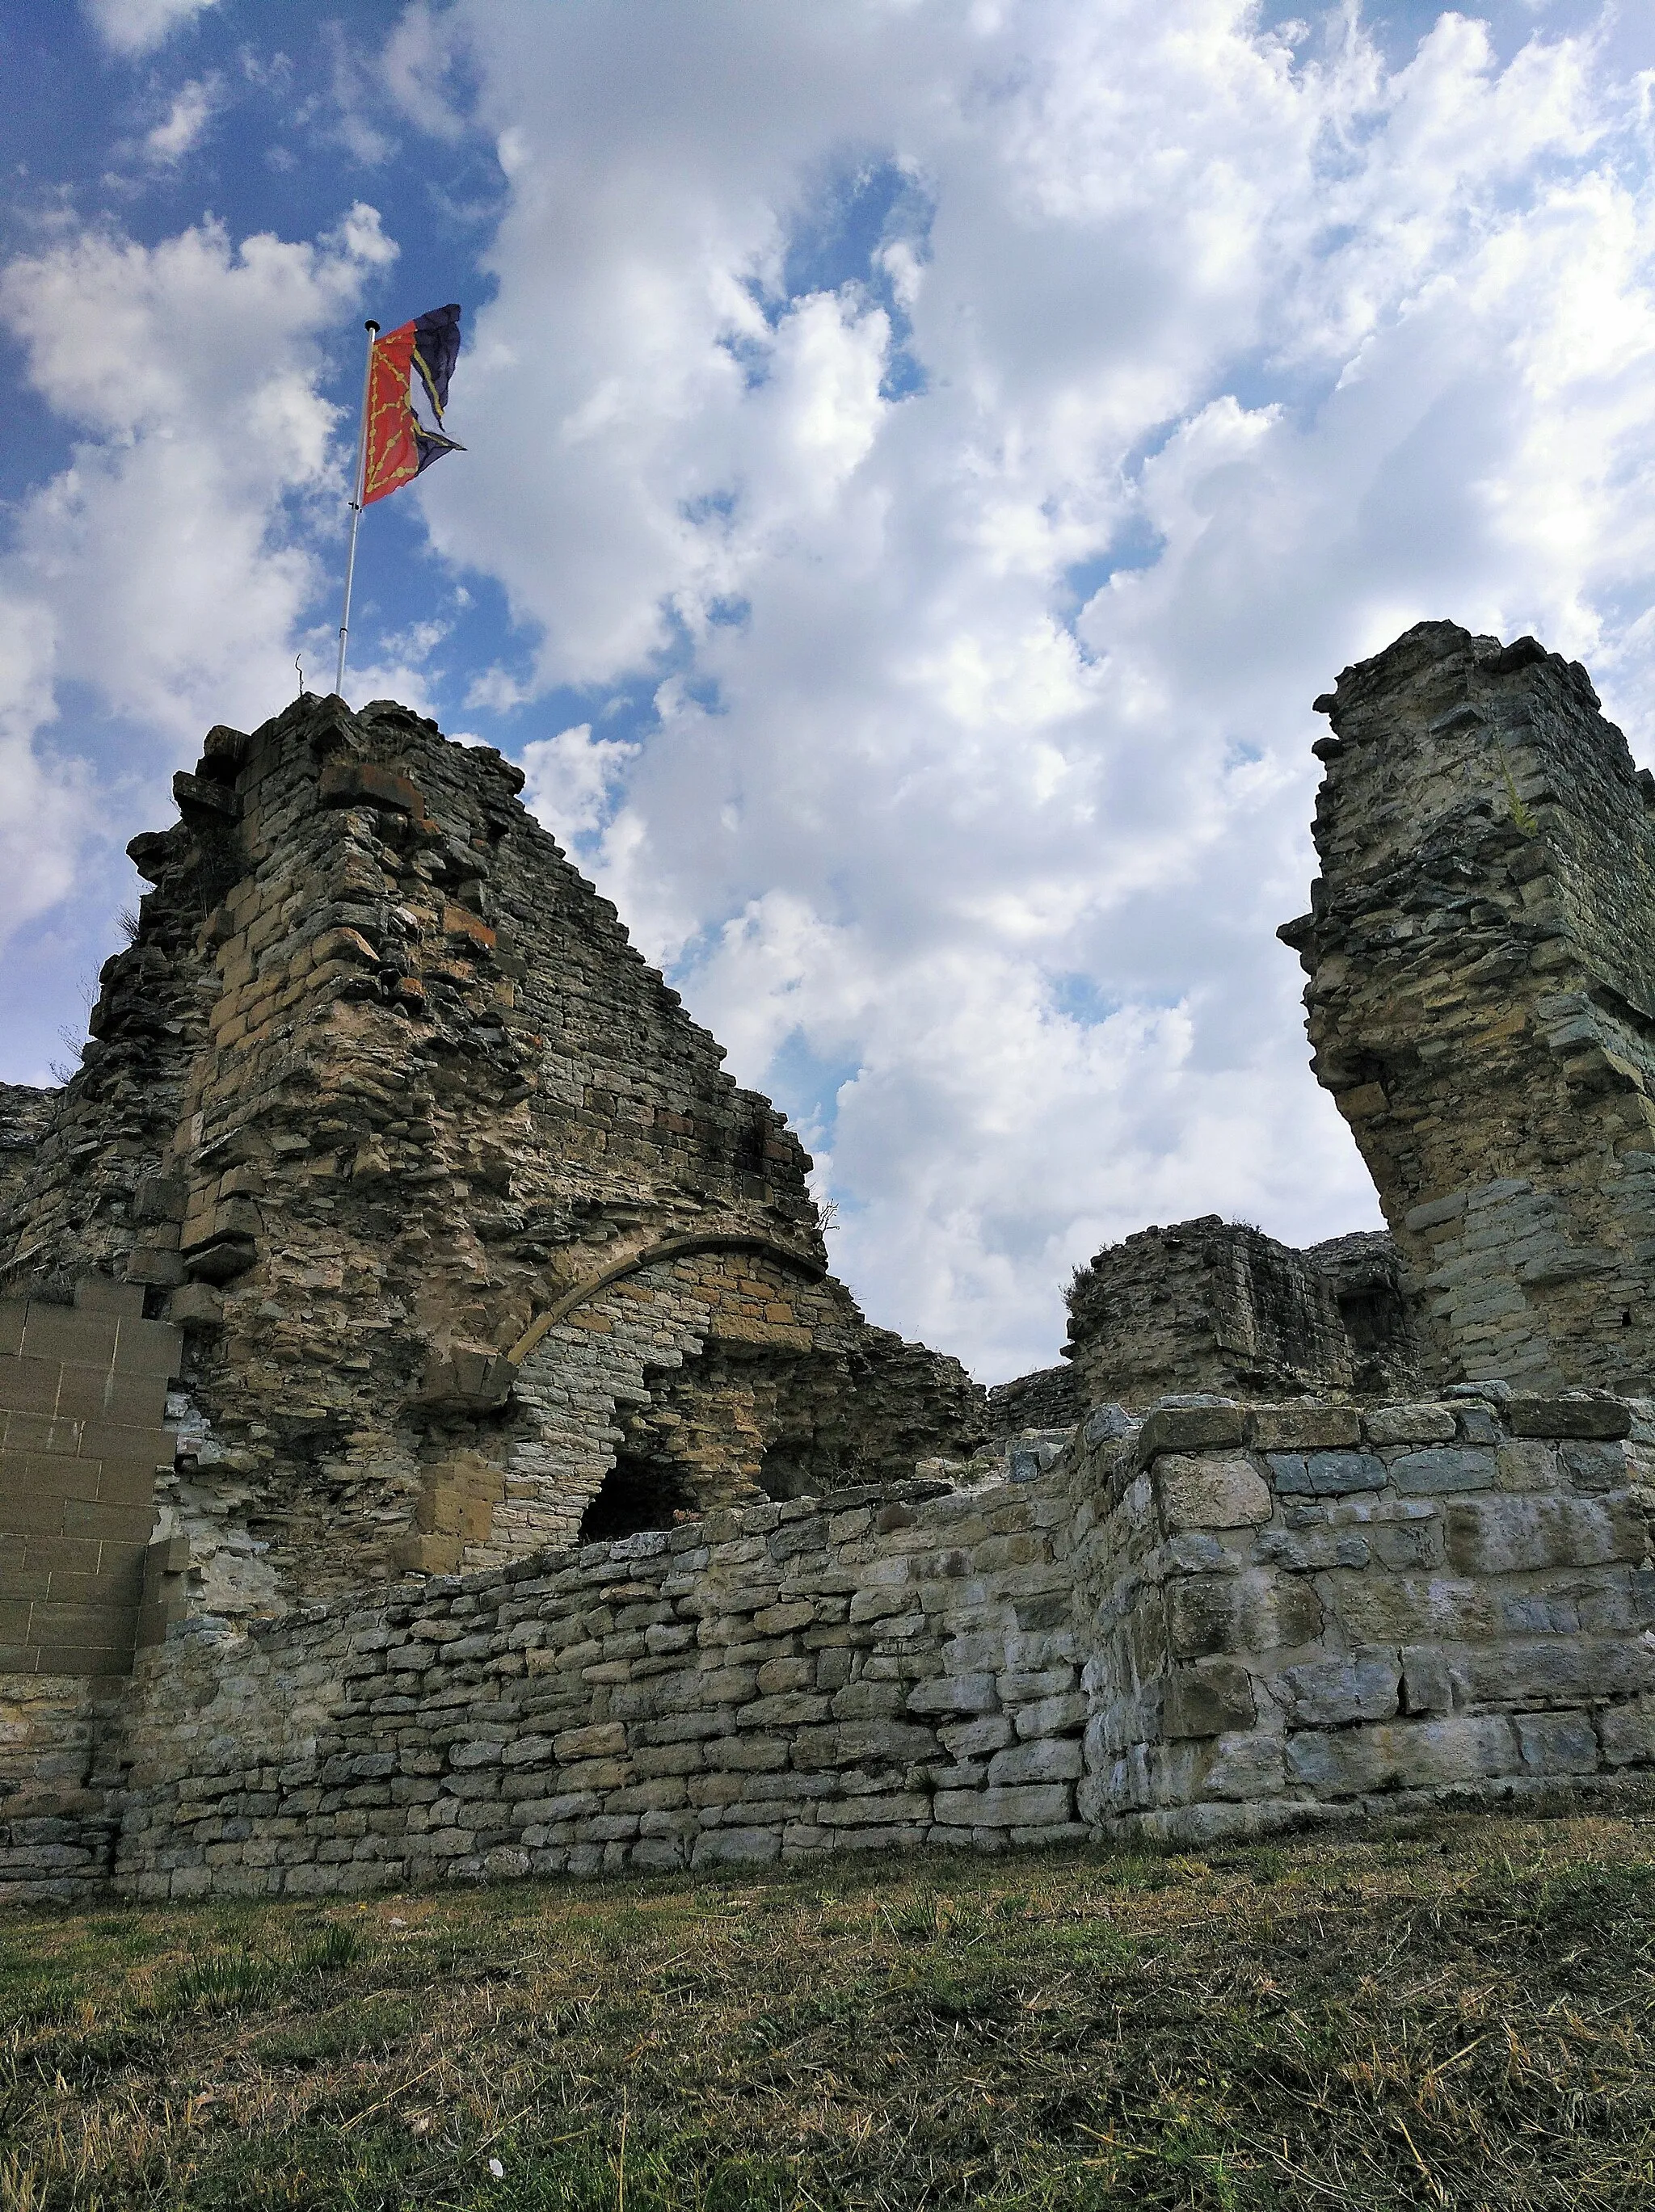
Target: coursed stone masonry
{"type": "Point", "coordinates": [1481, 951]}
{"type": "Point", "coordinates": [1219, 1622]}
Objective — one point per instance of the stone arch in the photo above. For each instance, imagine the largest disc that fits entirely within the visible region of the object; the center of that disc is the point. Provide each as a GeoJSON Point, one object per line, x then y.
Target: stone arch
{"type": "Point", "coordinates": [708, 1364]}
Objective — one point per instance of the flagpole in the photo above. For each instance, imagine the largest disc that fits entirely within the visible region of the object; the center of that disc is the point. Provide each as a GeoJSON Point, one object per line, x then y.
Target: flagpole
{"type": "Point", "coordinates": [373, 329]}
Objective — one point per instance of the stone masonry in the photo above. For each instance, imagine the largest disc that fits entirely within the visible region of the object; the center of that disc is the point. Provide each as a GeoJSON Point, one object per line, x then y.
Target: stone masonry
{"type": "Point", "coordinates": [1481, 951]}
{"type": "Point", "coordinates": [1220, 1621]}
{"type": "Point", "coordinates": [454, 1206]}
{"type": "Point", "coordinates": [531, 1498]}
{"type": "Point", "coordinates": [1216, 1306]}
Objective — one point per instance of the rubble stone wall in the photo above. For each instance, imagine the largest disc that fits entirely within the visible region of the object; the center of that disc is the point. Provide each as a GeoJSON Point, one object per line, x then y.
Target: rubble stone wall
{"type": "Point", "coordinates": [1217, 1306]}
{"type": "Point", "coordinates": [377, 1095]}
{"type": "Point", "coordinates": [1221, 1620]}
{"type": "Point", "coordinates": [1481, 951]}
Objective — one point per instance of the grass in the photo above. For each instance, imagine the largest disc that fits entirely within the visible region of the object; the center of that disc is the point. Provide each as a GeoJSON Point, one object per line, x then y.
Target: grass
{"type": "Point", "coordinates": [1460, 2014]}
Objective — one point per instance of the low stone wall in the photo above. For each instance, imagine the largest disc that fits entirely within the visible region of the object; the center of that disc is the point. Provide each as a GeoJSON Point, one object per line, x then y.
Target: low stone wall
{"type": "Point", "coordinates": [1219, 1621]}
{"type": "Point", "coordinates": [1307, 1613]}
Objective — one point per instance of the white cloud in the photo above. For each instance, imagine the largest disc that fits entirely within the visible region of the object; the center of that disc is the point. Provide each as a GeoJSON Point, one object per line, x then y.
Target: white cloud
{"type": "Point", "coordinates": [187, 121]}
{"type": "Point", "coordinates": [1317, 348]}
{"type": "Point", "coordinates": [571, 778]}
{"type": "Point", "coordinates": [136, 26]}
{"type": "Point", "coordinates": [158, 571]}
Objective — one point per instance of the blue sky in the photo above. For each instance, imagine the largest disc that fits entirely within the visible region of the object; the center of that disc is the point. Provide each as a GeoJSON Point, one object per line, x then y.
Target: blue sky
{"type": "Point", "coordinates": [922, 459]}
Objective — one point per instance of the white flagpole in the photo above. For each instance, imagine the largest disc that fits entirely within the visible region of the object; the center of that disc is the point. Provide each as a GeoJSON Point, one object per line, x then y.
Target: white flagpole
{"type": "Point", "coordinates": [373, 329]}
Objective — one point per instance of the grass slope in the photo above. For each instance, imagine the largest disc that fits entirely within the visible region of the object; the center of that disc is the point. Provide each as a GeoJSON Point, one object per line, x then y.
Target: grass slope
{"type": "Point", "coordinates": [1459, 2015]}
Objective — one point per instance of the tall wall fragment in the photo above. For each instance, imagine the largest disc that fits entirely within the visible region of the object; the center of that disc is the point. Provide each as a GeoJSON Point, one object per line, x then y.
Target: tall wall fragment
{"type": "Point", "coordinates": [1481, 951]}
{"type": "Point", "coordinates": [456, 1207]}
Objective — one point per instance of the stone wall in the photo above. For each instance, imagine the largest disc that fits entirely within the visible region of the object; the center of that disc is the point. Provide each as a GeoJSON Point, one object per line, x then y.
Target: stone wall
{"type": "Point", "coordinates": [1219, 1621]}
{"type": "Point", "coordinates": [1049, 1399]}
{"type": "Point", "coordinates": [1481, 951]}
{"type": "Point", "coordinates": [1217, 1306]}
{"type": "Point", "coordinates": [1309, 1612]}
{"type": "Point", "coordinates": [82, 1390]}
{"type": "Point", "coordinates": [382, 1109]}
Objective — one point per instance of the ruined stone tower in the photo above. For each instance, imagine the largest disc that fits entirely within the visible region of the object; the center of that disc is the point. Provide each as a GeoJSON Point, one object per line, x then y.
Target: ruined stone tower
{"type": "Point", "coordinates": [1481, 951]}
{"type": "Point", "coordinates": [460, 1219]}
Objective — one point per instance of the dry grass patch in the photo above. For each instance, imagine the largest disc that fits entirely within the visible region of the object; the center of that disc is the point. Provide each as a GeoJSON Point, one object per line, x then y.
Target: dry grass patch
{"type": "Point", "coordinates": [1460, 2016]}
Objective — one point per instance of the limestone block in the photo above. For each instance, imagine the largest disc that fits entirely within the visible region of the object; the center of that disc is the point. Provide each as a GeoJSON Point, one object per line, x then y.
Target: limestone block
{"type": "Point", "coordinates": [1254, 1612]}
{"type": "Point", "coordinates": [736, 1847]}
{"type": "Point", "coordinates": [1310, 1550]}
{"type": "Point", "coordinates": [1054, 1716]}
{"type": "Point", "coordinates": [1427, 1680]}
{"type": "Point", "coordinates": [1403, 1755]}
{"type": "Point", "coordinates": [1410, 1425]}
{"type": "Point", "coordinates": [1593, 1468]}
{"type": "Point", "coordinates": [1568, 1417]}
{"type": "Point", "coordinates": [1031, 1806]}
{"type": "Point", "coordinates": [1438, 1469]}
{"type": "Point", "coordinates": [1628, 1732]}
{"type": "Point", "coordinates": [873, 1742]}
{"type": "Point", "coordinates": [1325, 1474]}
{"type": "Point", "coordinates": [1503, 1534]}
{"type": "Point", "coordinates": [955, 1693]}
{"type": "Point", "coordinates": [1052, 1760]}
{"type": "Point", "coordinates": [1208, 1698]}
{"type": "Point", "coordinates": [1244, 1766]}
{"type": "Point", "coordinates": [1526, 1466]}
{"type": "Point", "coordinates": [1188, 1429]}
{"type": "Point", "coordinates": [1304, 1428]}
{"type": "Point", "coordinates": [1331, 1692]}
{"type": "Point", "coordinates": [1558, 1743]}
{"type": "Point", "coordinates": [1386, 1608]}
{"type": "Point", "coordinates": [1199, 1492]}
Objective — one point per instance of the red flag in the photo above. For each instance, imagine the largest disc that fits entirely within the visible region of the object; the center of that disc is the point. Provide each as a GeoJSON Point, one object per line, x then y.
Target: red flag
{"type": "Point", "coordinates": [407, 392]}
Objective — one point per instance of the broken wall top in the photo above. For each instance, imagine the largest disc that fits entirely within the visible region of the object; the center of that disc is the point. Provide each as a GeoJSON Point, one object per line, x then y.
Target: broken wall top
{"type": "Point", "coordinates": [1481, 1003]}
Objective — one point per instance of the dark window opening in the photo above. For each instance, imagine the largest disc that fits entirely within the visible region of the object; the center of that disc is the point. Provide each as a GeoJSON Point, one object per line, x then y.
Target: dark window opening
{"type": "Point", "coordinates": [1626, 1318]}
{"type": "Point", "coordinates": [786, 1473]}
{"type": "Point", "coordinates": [635, 1494]}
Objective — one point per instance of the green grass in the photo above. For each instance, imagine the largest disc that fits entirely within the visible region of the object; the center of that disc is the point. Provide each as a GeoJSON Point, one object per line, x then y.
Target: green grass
{"type": "Point", "coordinates": [1459, 2015]}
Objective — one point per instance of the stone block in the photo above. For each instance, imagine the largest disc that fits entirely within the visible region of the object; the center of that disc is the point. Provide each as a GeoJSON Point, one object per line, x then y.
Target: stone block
{"type": "Point", "coordinates": [1211, 1698]}
{"type": "Point", "coordinates": [1325, 1474]}
{"type": "Point", "coordinates": [1331, 1693]}
{"type": "Point", "coordinates": [1432, 1472]}
{"type": "Point", "coordinates": [1206, 1492]}
{"type": "Point", "coordinates": [1586, 1416]}
{"type": "Point", "coordinates": [1410, 1425]}
{"type": "Point", "coordinates": [1254, 1612]}
{"type": "Point", "coordinates": [1526, 1466]}
{"type": "Point", "coordinates": [1188, 1429]}
{"type": "Point", "coordinates": [1593, 1468]}
{"type": "Point", "coordinates": [1244, 1766]}
{"type": "Point", "coordinates": [1054, 1760]}
{"type": "Point", "coordinates": [1628, 1732]}
{"type": "Point", "coordinates": [1506, 1534]}
{"type": "Point", "coordinates": [1557, 1743]}
{"type": "Point", "coordinates": [955, 1693]}
{"type": "Point", "coordinates": [1304, 1428]}
{"type": "Point", "coordinates": [1427, 1684]}
{"type": "Point", "coordinates": [1426, 1754]}
{"type": "Point", "coordinates": [1032, 1807]}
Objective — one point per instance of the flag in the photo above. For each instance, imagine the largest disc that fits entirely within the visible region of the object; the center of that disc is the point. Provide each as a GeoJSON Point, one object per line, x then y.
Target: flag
{"type": "Point", "coordinates": [407, 392]}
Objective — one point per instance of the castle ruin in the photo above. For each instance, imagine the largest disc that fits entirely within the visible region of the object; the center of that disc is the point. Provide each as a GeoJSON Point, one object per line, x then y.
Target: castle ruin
{"type": "Point", "coordinates": [433, 1442]}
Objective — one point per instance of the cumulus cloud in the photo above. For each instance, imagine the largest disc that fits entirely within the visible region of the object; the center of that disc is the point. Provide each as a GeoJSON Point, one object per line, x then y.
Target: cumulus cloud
{"type": "Point", "coordinates": [137, 26]}
{"type": "Point", "coordinates": [185, 122]}
{"type": "Point", "coordinates": [997, 563]}
{"type": "Point", "coordinates": [157, 572]}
